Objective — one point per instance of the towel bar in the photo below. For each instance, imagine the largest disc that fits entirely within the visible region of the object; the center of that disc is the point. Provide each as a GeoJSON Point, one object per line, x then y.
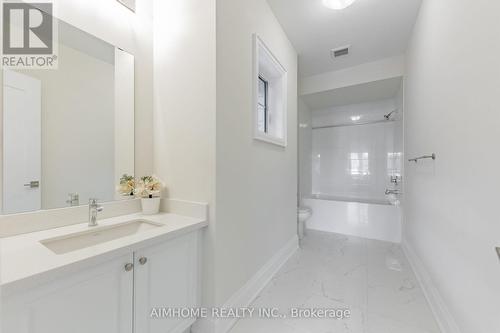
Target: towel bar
{"type": "Point", "coordinates": [433, 156]}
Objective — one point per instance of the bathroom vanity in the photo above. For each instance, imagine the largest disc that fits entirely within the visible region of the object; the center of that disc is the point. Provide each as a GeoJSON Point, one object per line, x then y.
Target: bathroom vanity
{"type": "Point", "coordinates": [58, 273]}
{"type": "Point", "coordinates": [104, 279]}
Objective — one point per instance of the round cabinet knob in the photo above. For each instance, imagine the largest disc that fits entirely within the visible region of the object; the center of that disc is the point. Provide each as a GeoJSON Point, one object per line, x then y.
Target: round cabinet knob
{"type": "Point", "coordinates": [129, 267]}
{"type": "Point", "coordinates": [143, 260]}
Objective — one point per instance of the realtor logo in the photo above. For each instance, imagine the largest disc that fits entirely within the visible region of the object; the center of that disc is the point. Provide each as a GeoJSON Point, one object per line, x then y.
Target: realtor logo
{"type": "Point", "coordinates": [29, 31]}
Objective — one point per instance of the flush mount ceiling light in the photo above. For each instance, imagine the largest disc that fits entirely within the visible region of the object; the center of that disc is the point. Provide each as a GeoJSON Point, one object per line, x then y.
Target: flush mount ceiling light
{"type": "Point", "coordinates": [338, 4]}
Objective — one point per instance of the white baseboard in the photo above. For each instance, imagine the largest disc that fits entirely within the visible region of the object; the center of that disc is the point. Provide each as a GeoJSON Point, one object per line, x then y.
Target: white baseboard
{"type": "Point", "coordinates": [244, 296]}
{"type": "Point", "coordinates": [443, 316]}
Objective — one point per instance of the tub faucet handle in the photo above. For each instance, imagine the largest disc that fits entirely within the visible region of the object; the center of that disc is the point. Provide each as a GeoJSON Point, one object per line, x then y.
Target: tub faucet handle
{"type": "Point", "coordinates": [387, 192]}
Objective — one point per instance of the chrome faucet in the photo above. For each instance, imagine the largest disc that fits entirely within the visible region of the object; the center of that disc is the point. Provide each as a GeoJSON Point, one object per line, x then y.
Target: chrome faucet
{"type": "Point", "coordinates": [395, 180]}
{"type": "Point", "coordinates": [387, 192]}
{"type": "Point", "coordinates": [94, 208]}
{"type": "Point", "coordinates": [73, 199]}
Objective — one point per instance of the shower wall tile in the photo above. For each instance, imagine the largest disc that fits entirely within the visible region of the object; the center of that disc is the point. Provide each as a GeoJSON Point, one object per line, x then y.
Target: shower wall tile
{"type": "Point", "coordinates": [355, 161]}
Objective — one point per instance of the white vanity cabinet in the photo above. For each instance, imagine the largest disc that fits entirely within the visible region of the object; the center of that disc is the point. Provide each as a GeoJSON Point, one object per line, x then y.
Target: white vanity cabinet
{"type": "Point", "coordinates": [166, 276]}
{"type": "Point", "coordinates": [113, 297]}
{"type": "Point", "coordinates": [99, 299]}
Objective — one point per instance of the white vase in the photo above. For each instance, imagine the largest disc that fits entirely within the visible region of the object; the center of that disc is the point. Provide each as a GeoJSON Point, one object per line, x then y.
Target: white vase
{"type": "Point", "coordinates": [150, 206]}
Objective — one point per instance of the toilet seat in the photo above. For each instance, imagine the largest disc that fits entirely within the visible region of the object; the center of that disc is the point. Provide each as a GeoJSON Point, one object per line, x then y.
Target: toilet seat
{"type": "Point", "coordinates": [304, 213]}
{"type": "Point", "coordinates": [303, 210]}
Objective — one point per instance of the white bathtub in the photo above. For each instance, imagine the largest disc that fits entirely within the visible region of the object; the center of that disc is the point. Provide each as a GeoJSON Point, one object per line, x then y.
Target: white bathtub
{"type": "Point", "coordinates": [374, 219]}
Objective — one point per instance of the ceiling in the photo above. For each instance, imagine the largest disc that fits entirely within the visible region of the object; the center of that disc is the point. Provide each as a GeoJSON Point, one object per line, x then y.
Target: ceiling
{"type": "Point", "coordinates": [358, 94]}
{"type": "Point", "coordinates": [375, 29]}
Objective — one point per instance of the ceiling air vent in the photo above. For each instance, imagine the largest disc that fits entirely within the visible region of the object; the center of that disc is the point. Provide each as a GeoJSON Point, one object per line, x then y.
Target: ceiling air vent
{"type": "Point", "coordinates": [340, 52]}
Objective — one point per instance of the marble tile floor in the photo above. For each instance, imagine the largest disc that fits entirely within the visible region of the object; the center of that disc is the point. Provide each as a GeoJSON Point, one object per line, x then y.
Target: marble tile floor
{"type": "Point", "coordinates": [371, 278]}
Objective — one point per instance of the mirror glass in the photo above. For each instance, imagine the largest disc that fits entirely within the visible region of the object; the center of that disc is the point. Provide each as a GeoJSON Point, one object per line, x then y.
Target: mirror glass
{"type": "Point", "coordinates": [68, 133]}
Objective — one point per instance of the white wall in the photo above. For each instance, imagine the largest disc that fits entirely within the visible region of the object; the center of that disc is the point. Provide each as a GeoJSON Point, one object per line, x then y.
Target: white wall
{"type": "Point", "coordinates": [256, 197]}
{"type": "Point", "coordinates": [185, 97]}
{"type": "Point", "coordinates": [305, 150]}
{"type": "Point", "coordinates": [364, 73]}
{"type": "Point", "coordinates": [452, 89]}
{"type": "Point", "coordinates": [184, 113]}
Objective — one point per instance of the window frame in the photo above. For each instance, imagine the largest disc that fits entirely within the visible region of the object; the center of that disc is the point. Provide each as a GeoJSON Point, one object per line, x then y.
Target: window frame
{"type": "Point", "coordinates": [276, 111]}
{"type": "Point", "coordinates": [266, 102]}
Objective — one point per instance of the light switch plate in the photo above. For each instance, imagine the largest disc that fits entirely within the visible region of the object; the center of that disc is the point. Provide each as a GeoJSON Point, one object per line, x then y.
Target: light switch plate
{"type": "Point", "coordinates": [130, 4]}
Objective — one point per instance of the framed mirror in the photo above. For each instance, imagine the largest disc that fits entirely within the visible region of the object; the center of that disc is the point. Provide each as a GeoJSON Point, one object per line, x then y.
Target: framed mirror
{"type": "Point", "coordinates": [68, 133]}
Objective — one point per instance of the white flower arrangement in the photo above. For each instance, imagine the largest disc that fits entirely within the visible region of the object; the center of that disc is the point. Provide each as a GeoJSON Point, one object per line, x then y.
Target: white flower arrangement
{"type": "Point", "coordinates": [144, 187]}
{"type": "Point", "coordinates": [127, 185]}
{"type": "Point", "coordinates": [148, 187]}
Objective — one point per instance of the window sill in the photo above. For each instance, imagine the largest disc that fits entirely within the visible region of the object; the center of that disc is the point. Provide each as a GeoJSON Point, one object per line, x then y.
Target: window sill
{"type": "Point", "coordinates": [270, 139]}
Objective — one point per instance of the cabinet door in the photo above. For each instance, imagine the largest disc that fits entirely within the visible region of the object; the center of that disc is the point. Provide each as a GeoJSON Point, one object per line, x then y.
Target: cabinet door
{"type": "Point", "coordinates": [97, 300]}
{"type": "Point", "coordinates": [169, 279]}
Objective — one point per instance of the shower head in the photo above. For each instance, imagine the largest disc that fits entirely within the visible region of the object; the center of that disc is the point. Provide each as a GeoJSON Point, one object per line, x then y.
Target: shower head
{"type": "Point", "coordinates": [388, 116]}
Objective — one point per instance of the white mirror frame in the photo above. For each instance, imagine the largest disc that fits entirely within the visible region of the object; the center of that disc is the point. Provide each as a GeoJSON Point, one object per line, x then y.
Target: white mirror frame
{"type": "Point", "coordinates": [258, 48]}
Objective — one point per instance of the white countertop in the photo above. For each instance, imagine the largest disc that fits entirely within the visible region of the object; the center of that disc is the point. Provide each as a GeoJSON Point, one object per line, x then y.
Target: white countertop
{"type": "Point", "coordinates": [24, 261]}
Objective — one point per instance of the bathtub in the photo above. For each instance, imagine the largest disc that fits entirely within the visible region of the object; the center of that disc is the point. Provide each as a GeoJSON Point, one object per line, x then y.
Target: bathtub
{"type": "Point", "coordinates": [373, 219]}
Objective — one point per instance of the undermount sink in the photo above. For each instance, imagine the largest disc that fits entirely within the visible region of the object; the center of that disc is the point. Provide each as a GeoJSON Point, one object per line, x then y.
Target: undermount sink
{"type": "Point", "coordinates": [98, 235]}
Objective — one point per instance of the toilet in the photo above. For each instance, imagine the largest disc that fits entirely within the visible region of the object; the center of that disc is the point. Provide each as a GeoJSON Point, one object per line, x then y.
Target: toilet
{"type": "Point", "coordinates": [303, 214]}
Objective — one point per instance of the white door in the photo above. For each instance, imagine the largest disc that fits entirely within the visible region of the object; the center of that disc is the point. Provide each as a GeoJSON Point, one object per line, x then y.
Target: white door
{"type": "Point", "coordinates": [95, 300]}
{"type": "Point", "coordinates": [166, 276]}
{"type": "Point", "coordinates": [22, 129]}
